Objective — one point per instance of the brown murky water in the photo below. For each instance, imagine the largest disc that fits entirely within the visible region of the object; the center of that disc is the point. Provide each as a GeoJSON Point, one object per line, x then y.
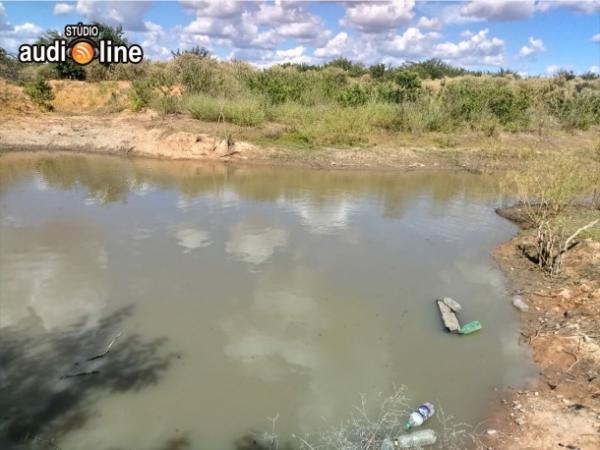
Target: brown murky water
{"type": "Point", "coordinates": [236, 294]}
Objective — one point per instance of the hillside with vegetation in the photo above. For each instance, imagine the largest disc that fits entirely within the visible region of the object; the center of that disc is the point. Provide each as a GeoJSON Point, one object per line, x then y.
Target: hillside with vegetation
{"type": "Point", "coordinates": [340, 103]}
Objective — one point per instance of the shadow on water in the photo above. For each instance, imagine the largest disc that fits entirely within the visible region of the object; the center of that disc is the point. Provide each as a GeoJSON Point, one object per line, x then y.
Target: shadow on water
{"type": "Point", "coordinates": [252, 441]}
{"type": "Point", "coordinates": [40, 399]}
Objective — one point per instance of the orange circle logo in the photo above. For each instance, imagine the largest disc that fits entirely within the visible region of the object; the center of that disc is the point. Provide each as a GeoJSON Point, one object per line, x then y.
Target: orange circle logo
{"type": "Point", "coordinates": [82, 53]}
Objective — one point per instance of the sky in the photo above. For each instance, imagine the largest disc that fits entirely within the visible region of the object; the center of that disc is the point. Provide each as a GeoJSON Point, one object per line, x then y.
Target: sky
{"type": "Point", "coordinates": [532, 37]}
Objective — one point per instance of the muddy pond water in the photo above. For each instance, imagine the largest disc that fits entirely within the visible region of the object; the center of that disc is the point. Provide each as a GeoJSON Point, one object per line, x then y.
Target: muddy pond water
{"type": "Point", "coordinates": [235, 294]}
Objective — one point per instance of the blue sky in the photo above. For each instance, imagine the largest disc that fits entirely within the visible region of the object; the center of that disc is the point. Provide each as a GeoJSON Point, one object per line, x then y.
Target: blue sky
{"type": "Point", "coordinates": [529, 36]}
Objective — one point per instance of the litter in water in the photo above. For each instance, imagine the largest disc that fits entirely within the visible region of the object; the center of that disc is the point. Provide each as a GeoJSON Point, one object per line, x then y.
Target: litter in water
{"type": "Point", "coordinates": [418, 417]}
{"type": "Point", "coordinates": [470, 327]}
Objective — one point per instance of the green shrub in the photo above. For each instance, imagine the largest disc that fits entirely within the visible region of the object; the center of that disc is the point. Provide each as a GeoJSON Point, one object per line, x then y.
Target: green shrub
{"type": "Point", "coordinates": [167, 104]}
{"type": "Point", "coordinates": [473, 100]}
{"type": "Point", "coordinates": [354, 95]}
{"type": "Point", "coordinates": [409, 83]}
{"type": "Point", "coordinates": [41, 93]}
{"type": "Point", "coordinates": [244, 111]}
{"type": "Point", "coordinates": [278, 84]}
{"type": "Point", "coordinates": [140, 94]}
{"type": "Point", "coordinates": [203, 107]}
{"type": "Point", "coordinates": [204, 75]}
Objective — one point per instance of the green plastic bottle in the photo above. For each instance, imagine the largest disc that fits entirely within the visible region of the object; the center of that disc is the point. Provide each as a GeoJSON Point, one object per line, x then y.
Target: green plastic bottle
{"type": "Point", "coordinates": [470, 327]}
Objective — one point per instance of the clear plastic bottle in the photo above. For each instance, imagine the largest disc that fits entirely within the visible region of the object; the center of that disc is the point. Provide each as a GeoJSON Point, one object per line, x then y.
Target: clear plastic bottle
{"type": "Point", "coordinates": [416, 439]}
{"type": "Point", "coordinates": [387, 444]}
{"type": "Point", "coordinates": [417, 418]}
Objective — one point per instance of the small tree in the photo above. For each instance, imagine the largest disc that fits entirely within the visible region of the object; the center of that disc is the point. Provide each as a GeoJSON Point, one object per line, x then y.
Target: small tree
{"type": "Point", "coordinates": [41, 93]}
{"type": "Point", "coordinates": [545, 189]}
{"type": "Point", "coordinates": [377, 71]}
{"type": "Point", "coordinates": [67, 69]}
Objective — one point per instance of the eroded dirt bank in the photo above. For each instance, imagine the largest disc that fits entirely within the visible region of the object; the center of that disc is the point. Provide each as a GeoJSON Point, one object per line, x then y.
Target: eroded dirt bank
{"type": "Point", "coordinates": [149, 134]}
{"type": "Point", "coordinates": [132, 134]}
{"type": "Point", "coordinates": [561, 409]}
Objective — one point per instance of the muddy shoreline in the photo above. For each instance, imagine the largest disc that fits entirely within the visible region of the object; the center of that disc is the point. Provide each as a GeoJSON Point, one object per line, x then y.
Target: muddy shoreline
{"type": "Point", "coordinates": [560, 408]}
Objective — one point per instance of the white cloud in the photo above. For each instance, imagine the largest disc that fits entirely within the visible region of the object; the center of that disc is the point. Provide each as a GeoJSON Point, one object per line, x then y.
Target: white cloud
{"type": "Point", "coordinates": [265, 58]}
{"type": "Point", "coordinates": [327, 218]}
{"type": "Point", "coordinates": [377, 17]}
{"type": "Point", "coordinates": [501, 10]}
{"type": "Point", "coordinates": [63, 8]}
{"type": "Point", "coordinates": [595, 69]}
{"type": "Point", "coordinates": [432, 23]}
{"type": "Point", "coordinates": [339, 45]}
{"type": "Point", "coordinates": [552, 69]}
{"type": "Point", "coordinates": [12, 36]}
{"type": "Point", "coordinates": [40, 283]}
{"type": "Point", "coordinates": [190, 238]}
{"type": "Point", "coordinates": [581, 6]}
{"type": "Point", "coordinates": [367, 49]}
{"type": "Point", "coordinates": [153, 42]}
{"type": "Point", "coordinates": [411, 43]}
{"type": "Point", "coordinates": [291, 20]}
{"type": "Point", "coordinates": [478, 49]}
{"type": "Point", "coordinates": [128, 14]}
{"type": "Point", "coordinates": [253, 32]}
{"type": "Point", "coordinates": [535, 46]}
{"type": "Point", "coordinates": [596, 38]}
{"type": "Point", "coordinates": [27, 29]}
{"type": "Point", "coordinates": [254, 245]}
{"type": "Point", "coordinates": [215, 8]}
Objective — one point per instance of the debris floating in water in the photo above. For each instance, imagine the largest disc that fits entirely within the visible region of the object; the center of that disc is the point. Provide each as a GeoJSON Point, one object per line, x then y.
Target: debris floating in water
{"type": "Point", "coordinates": [448, 317]}
{"type": "Point", "coordinates": [416, 439]}
{"type": "Point", "coordinates": [418, 417]}
{"type": "Point", "coordinates": [452, 304]}
{"type": "Point", "coordinates": [448, 309]}
{"type": "Point", "coordinates": [470, 327]}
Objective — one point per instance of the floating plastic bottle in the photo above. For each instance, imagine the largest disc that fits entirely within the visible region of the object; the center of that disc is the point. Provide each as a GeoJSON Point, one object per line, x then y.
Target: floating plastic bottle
{"type": "Point", "coordinates": [470, 327]}
{"type": "Point", "coordinates": [423, 412]}
{"type": "Point", "coordinates": [387, 444]}
{"type": "Point", "coordinates": [416, 439]}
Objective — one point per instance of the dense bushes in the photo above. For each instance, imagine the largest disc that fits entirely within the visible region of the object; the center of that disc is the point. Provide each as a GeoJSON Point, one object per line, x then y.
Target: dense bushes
{"type": "Point", "coordinates": [337, 102]}
{"type": "Point", "coordinates": [470, 100]}
{"type": "Point", "coordinates": [397, 99]}
{"type": "Point", "coordinates": [245, 111]}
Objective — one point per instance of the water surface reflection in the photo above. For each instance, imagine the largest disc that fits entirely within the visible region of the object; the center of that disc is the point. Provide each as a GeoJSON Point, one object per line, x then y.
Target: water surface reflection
{"type": "Point", "coordinates": [239, 293]}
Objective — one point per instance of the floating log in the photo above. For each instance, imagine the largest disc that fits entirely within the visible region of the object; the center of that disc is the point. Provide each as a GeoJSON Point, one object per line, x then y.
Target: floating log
{"type": "Point", "coordinates": [448, 317]}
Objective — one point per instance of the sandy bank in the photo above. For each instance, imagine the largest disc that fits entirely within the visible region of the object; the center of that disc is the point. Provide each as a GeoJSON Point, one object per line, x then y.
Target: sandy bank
{"type": "Point", "coordinates": [174, 137]}
{"type": "Point", "coordinates": [561, 408]}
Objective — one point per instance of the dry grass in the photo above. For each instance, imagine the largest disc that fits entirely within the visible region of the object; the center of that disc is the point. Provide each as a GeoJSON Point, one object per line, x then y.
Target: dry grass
{"type": "Point", "coordinates": [80, 96]}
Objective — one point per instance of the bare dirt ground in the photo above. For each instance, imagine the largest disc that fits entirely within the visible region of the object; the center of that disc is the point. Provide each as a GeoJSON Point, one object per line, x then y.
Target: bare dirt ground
{"type": "Point", "coordinates": [176, 137]}
{"type": "Point", "coordinates": [561, 409]}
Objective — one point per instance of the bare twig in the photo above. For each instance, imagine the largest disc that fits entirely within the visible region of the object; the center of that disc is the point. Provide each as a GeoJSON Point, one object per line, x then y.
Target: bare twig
{"type": "Point", "coordinates": [102, 355]}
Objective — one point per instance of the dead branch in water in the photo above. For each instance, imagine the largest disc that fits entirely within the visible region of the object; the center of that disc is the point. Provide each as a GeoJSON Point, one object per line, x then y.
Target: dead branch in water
{"type": "Point", "coordinates": [80, 374]}
{"type": "Point", "coordinates": [102, 355]}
